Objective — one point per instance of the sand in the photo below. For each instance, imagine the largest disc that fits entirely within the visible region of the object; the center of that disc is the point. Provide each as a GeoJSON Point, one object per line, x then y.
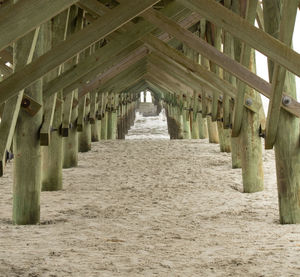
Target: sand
{"type": "Point", "coordinates": [151, 208]}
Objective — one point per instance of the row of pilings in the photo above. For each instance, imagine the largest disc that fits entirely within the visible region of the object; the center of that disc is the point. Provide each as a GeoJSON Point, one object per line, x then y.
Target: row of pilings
{"type": "Point", "coordinates": [107, 121]}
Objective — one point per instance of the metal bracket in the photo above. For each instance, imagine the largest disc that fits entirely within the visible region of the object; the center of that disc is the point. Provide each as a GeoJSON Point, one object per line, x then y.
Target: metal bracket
{"type": "Point", "coordinates": [31, 106]}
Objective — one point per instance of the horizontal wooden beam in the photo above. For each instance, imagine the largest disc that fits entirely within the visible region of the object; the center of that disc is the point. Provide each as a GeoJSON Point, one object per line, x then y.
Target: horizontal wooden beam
{"type": "Point", "coordinates": [19, 19]}
{"type": "Point", "coordinates": [71, 46]}
{"type": "Point", "coordinates": [241, 29]}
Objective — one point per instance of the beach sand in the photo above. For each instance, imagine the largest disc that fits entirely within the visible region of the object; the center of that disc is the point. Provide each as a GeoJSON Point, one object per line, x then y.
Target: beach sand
{"type": "Point", "coordinates": [151, 208]}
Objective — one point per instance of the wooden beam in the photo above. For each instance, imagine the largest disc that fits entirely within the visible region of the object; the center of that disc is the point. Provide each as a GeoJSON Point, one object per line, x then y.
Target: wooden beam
{"type": "Point", "coordinates": [6, 56]}
{"type": "Point", "coordinates": [113, 71]}
{"type": "Point", "coordinates": [214, 55]}
{"type": "Point", "coordinates": [163, 67]}
{"type": "Point", "coordinates": [4, 69]}
{"type": "Point", "coordinates": [287, 23]}
{"type": "Point", "coordinates": [13, 105]}
{"type": "Point", "coordinates": [106, 56]}
{"type": "Point", "coordinates": [73, 45]}
{"type": "Point", "coordinates": [208, 80]}
{"type": "Point", "coordinates": [241, 29]}
{"type": "Point", "coordinates": [260, 16]}
{"type": "Point", "coordinates": [19, 19]}
{"type": "Point", "coordinates": [52, 156]}
{"type": "Point", "coordinates": [70, 81]}
{"type": "Point", "coordinates": [213, 34]}
{"type": "Point", "coordinates": [241, 86]}
{"type": "Point", "coordinates": [49, 108]}
{"type": "Point", "coordinates": [166, 79]}
{"type": "Point", "coordinates": [116, 80]}
{"type": "Point", "coordinates": [93, 6]}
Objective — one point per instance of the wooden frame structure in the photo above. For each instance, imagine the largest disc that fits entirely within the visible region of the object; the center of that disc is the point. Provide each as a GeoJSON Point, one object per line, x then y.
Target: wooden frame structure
{"type": "Point", "coordinates": [72, 74]}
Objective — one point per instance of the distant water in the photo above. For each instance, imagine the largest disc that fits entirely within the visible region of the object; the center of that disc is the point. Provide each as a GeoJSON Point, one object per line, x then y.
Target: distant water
{"type": "Point", "coordinates": [150, 127]}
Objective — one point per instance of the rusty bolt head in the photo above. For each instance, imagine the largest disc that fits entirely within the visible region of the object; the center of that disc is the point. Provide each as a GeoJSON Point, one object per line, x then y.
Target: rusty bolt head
{"type": "Point", "coordinates": [25, 103]}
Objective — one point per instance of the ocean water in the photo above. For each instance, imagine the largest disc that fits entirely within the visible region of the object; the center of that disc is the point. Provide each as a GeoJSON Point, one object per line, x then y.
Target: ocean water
{"type": "Point", "coordinates": [149, 128]}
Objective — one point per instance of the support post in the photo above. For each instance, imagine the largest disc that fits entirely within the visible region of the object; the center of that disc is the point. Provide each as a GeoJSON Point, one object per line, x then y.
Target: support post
{"type": "Point", "coordinates": [84, 137]}
{"type": "Point", "coordinates": [52, 155]}
{"type": "Point", "coordinates": [287, 151]}
{"type": "Point", "coordinates": [26, 145]}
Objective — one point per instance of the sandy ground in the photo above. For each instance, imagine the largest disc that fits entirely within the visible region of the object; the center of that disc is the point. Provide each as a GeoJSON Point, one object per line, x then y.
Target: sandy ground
{"type": "Point", "coordinates": [151, 208]}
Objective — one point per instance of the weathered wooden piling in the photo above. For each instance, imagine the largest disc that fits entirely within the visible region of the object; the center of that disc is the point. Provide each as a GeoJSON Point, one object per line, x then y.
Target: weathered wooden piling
{"type": "Point", "coordinates": [26, 144]}
{"type": "Point", "coordinates": [52, 152]}
{"type": "Point", "coordinates": [287, 151]}
{"type": "Point", "coordinates": [70, 113]}
{"type": "Point", "coordinates": [93, 120]}
{"type": "Point", "coordinates": [84, 135]}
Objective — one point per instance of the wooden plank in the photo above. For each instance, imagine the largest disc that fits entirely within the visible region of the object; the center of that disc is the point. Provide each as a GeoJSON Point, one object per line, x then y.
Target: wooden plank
{"type": "Point", "coordinates": [207, 79]}
{"type": "Point", "coordinates": [30, 105]}
{"type": "Point", "coordinates": [222, 60]}
{"type": "Point", "coordinates": [163, 67]}
{"type": "Point", "coordinates": [228, 49]}
{"type": "Point", "coordinates": [93, 6]}
{"type": "Point", "coordinates": [204, 104]}
{"type": "Point", "coordinates": [113, 71]}
{"type": "Point", "coordinates": [49, 109]}
{"type": "Point", "coordinates": [94, 107]}
{"type": "Point", "coordinates": [106, 56]}
{"type": "Point", "coordinates": [164, 79]}
{"type": "Point", "coordinates": [260, 16]}
{"type": "Point", "coordinates": [18, 15]}
{"type": "Point", "coordinates": [213, 35]}
{"type": "Point", "coordinates": [53, 108]}
{"type": "Point", "coordinates": [13, 105]}
{"type": "Point", "coordinates": [178, 85]}
{"type": "Point", "coordinates": [4, 69]}
{"type": "Point", "coordinates": [6, 56]}
{"type": "Point", "coordinates": [67, 113]}
{"type": "Point", "coordinates": [116, 80]}
{"type": "Point", "coordinates": [70, 81]}
{"type": "Point", "coordinates": [81, 113]}
{"type": "Point", "coordinates": [287, 151]}
{"type": "Point", "coordinates": [74, 44]}
{"type": "Point", "coordinates": [241, 29]}
{"type": "Point", "coordinates": [287, 23]}
{"type": "Point", "coordinates": [241, 86]}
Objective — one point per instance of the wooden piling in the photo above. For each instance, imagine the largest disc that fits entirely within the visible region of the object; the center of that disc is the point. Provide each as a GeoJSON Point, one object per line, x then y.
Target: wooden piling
{"type": "Point", "coordinates": [93, 117]}
{"type": "Point", "coordinates": [52, 155]}
{"type": "Point", "coordinates": [287, 151]}
{"type": "Point", "coordinates": [70, 143]}
{"type": "Point", "coordinates": [26, 144]}
{"type": "Point", "coordinates": [84, 137]}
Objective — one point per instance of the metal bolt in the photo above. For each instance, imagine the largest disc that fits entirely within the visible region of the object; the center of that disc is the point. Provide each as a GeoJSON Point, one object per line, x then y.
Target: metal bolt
{"type": "Point", "coordinates": [249, 102]}
{"type": "Point", "coordinates": [25, 103]}
{"type": "Point", "coordinates": [286, 100]}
